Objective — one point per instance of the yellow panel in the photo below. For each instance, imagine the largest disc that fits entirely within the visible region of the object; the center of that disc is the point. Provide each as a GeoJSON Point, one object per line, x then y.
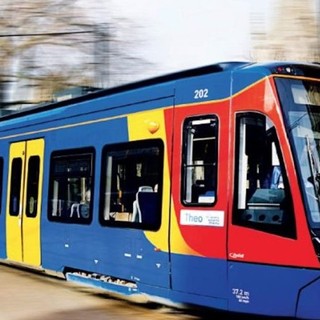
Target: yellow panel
{"type": "Point", "coordinates": [14, 223]}
{"type": "Point", "coordinates": [31, 225]}
{"type": "Point", "coordinates": [22, 232]}
{"type": "Point", "coordinates": [148, 125]}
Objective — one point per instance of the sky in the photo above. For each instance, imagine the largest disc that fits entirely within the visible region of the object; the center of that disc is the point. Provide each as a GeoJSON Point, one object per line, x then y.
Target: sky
{"type": "Point", "coordinates": [180, 34]}
{"type": "Point", "coordinates": [174, 35]}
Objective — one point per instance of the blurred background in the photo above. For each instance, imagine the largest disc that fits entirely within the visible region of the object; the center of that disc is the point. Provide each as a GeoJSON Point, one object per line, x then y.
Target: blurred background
{"type": "Point", "coordinates": [57, 49]}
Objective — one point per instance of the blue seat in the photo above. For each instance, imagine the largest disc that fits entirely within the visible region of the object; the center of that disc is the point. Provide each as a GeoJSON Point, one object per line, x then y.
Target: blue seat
{"type": "Point", "coordinates": [136, 215]}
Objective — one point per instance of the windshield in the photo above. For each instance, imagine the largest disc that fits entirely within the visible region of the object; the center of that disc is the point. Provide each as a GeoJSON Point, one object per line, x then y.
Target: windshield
{"type": "Point", "coordinates": [300, 100]}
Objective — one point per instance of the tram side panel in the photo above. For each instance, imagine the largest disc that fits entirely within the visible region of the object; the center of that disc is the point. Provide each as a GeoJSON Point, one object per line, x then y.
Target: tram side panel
{"type": "Point", "coordinates": [199, 191]}
{"type": "Point", "coordinates": [73, 238]}
{"type": "Point", "coordinates": [151, 250]}
{"type": "Point", "coordinates": [108, 242]}
{"type": "Point", "coordinates": [269, 245]}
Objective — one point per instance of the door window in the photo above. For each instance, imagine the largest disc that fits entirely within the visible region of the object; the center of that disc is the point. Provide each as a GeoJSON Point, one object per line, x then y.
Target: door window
{"type": "Point", "coordinates": [199, 161]}
{"type": "Point", "coordinates": [15, 187]}
{"type": "Point", "coordinates": [32, 186]}
{"type": "Point", "coordinates": [262, 195]}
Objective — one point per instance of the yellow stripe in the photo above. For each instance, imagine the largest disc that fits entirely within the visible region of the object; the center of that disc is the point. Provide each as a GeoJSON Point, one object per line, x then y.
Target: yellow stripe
{"type": "Point", "coordinates": [295, 77]}
{"type": "Point", "coordinates": [140, 126]}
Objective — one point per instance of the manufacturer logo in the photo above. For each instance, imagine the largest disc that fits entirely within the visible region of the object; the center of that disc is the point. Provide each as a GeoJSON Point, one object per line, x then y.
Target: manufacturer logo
{"type": "Point", "coordinates": [234, 255]}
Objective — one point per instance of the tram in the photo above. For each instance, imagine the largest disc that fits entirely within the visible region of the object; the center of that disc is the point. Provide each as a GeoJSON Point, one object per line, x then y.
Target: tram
{"type": "Point", "coordinates": [199, 188]}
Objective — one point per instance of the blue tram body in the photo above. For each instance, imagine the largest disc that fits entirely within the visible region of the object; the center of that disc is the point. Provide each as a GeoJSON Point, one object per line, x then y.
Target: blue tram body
{"type": "Point", "coordinates": [162, 189]}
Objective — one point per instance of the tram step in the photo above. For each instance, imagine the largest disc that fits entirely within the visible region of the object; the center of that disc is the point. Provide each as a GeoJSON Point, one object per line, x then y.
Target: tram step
{"type": "Point", "coordinates": [105, 283]}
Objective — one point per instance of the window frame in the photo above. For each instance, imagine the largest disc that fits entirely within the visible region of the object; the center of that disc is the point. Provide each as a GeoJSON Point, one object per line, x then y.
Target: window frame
{"type": "Point", "coordinates": [15, 186]}
{"type": "Point", "coordinates": [187, 184]}
{"type": "Point", "coordinates": [109, 175]}
{"type": "Point", "coordinates": [75, 217]}
{"type": "Point", "coordinates": [32, 197]}
{"type": "Point", "coordinates": [286, 226]}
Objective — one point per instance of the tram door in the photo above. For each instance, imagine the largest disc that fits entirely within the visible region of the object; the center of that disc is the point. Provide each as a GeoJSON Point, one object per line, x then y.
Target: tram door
{"type": "Point", "coordinates": [198, 228]}
{"type": "Point", "coordinates": [24, 201]}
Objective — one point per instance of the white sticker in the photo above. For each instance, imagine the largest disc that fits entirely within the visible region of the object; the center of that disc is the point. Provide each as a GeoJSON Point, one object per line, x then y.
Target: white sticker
{"type": "Point", "coordinates": [212, 218]}
{"type": "Point", "coordinates": [241, 295]}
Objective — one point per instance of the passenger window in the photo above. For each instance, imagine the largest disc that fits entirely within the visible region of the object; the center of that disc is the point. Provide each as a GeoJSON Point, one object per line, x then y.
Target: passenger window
{"type": "Point", "coordinates": [132, 184]}
{"type": "Point", "coordinates": [262, 195]}
{"type": "Point", "coordinates": [71, 182]}
{"type": "Point", "coordinates": [199, 162]}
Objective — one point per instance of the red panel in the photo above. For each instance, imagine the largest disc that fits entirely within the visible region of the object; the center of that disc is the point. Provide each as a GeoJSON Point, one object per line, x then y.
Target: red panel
{"type": "Point", "coordinates": [207, 241]}
{"type": "Point", "coordinates": [244, 243]}
{"type": "Point", "coordinates": [251, 245]}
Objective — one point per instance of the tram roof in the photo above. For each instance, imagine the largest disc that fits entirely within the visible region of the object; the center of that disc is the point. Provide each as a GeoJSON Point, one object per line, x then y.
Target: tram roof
{"type": "Point", "coordinates": [288, 68]}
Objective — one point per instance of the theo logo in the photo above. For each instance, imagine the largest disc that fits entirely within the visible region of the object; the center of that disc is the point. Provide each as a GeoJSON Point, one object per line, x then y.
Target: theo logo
{"type": "Point", "coordinates": [193, 218]}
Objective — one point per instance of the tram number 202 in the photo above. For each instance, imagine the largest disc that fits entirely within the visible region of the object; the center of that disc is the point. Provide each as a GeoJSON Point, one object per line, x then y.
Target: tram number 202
{"type": "Point", "coordinates": [201, 93]}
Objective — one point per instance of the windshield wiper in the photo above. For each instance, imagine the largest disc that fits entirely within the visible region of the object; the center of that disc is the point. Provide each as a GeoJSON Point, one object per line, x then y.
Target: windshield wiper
{"type": "Point", "coordinates": [297, 122]}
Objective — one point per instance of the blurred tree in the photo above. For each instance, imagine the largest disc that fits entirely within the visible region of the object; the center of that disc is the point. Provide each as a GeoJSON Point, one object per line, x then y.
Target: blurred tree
{"type": "Point", "coordinates": [292, 33]}
{"type": "Point", "coordinates": [52, 44]}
